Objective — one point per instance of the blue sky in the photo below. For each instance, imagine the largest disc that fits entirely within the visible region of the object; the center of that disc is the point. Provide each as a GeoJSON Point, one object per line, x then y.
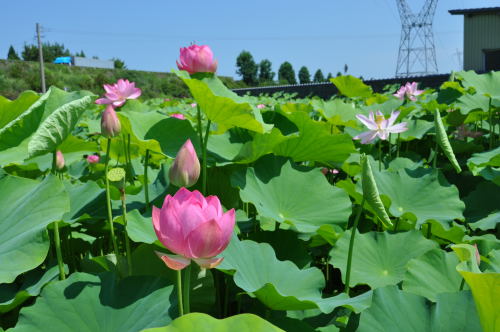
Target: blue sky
{"type": "Point", "coordinates": [321, 34]}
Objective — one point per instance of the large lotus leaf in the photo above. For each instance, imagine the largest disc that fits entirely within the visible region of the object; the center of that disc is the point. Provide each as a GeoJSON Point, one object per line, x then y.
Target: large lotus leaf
{"type": "Point", "coordinates": [12, 295]}
{"type": "Point", "coordinates": [281, 285]}
{"type": "Point", "coordinates": [482, 208]}
{"type": "Point", "coordinates": [314, 142]}
{"type": "Point", "coordinates": [379, 259]}
{"type": "Point", "coordinates": [58, 125]}
{"type": "Point", "coordinates": [393, 310]}
{"type": "Point", "coordinates": [485, 287]}
{"type": "Point", "coordinates": [140, 228]}
{"type": "Point", "coordinates": [222, 110]}
{"type": "Point", "coordinates": [86, 302]}
{"type": "Point", "coordinates": [200, 322]}
{"type": "Point", "coordinates": [10, 110]}
{"type": "Point", "coordinates": [351, 86]}
{"type": "Point", "coordinates": [469, 103]}
{"type": "Point", "coordinates": [432, 273]}
{"type": "Point", "coordinates": [420, 194]}
{"type": "Point", "coordinates": [485, 84]}
{"type": "Point", "coordinates": [81, 197]}
{"type": "Point", "coordinates": [416, 129]}
{"type": "Point", "coordinates": [28, 206]}
{"type": "Point", "coordinates": [337, 111]}
{"type": "Point", "coordinates": [27, 123]}
{"type": "Point", "coordinates": [486, 164]}
{"type": "Point", "coordinates": [280, 192]}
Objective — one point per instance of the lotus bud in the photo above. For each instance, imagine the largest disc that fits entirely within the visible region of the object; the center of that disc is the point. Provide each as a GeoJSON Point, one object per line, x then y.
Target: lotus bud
{"type": "Point", "coordinates": [110, 124]}
{"type": "Point", "coordinates": [186, 168]}
{"type": "Point", "coordinates": [197, 59]}
{"type": "Point", "coordinates": [93, 159]}
{"type": "Point", "coordinates": [59, 160]}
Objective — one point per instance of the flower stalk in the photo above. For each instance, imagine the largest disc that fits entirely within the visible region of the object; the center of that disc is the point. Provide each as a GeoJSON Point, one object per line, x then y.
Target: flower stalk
{"type": "Point", "coordinates": [108, 201]}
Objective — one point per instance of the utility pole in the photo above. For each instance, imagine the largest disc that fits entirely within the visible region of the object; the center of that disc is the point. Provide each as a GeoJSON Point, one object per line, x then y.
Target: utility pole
{"type": "Point", "coordinates": [40, 56]}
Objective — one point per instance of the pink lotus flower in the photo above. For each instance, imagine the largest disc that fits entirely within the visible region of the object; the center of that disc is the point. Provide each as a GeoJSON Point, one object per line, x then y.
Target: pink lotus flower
{"type": "Point", "coordinates": [93, 159]}
{"type": "Point", "coordinates": [379, 126]}
{"type": "Point", "coordinates": [178, 116]}
{"type": "Point", "coordinates": [193, 105]}
{"type": "Point", "coordinates": [59, 160]}
{"type": "Point", "coordinates": [325, 171]}
{"type": "Point", "coordinates": [409, 90]}
{"type": "Point", "coordinates": [110, 124]}
{"type": "Point", "coordinates": [261, 106]}
{"type": "Point", "coordinates": [197, 59]}
{"type": "Point", "coordinates": [194, 228]}
{"type": "Point", "coordinates": [118, 93]}
{"type": "Point", "coordinates": [186, 168]}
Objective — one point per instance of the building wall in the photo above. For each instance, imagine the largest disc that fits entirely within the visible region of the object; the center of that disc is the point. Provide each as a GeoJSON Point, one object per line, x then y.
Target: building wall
{"type": "Point", "coordinates": [94, 63]}
{"type": "Point", "coordinates": [481, 31]}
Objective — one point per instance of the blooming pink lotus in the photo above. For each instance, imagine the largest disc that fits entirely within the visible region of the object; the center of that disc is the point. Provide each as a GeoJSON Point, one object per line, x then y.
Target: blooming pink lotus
{"type": "Point", "coordinates": [379, 126]}
{"type": "Point", "coordinates": [197, 59]}
{"type": "Point", "coordinates": [110, 124]}
{"type": "Point", "coordinates": [261, 106]}
{"type": "Point", "coordinates": [59, 160]}
{"type": "Point", "coordinates": [193, 105]}
{"type": "Point", "coordinates": [118, 93]}
{"type": "Point", "coordinates": [178, 116]}
{"type": "Point", "coordinates": [186, 168]}
{"type": "Point", "coordinates": [93, 159]}
{"type": "Point", "coordinates": [194, 228]}
{"type": "Point", "coordinates": [409, 90]}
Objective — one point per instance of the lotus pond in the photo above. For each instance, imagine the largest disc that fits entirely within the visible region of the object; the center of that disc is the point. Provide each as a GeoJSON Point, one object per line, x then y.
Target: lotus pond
{"type": "Point", "coordinates": [365, 212]}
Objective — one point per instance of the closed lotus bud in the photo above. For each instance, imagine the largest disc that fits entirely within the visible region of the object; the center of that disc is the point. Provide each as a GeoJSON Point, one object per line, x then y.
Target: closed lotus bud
{"type": "Point", "coordinates": [186, 168]}
{"type": "Point", "coordinates": [93, 159]}
{"type": "Point", "coordinates": [59, 160]}
{"type": "Point", "coordinates": [110, 124]}
{"type": "Point", "coordinates": [197, 59]}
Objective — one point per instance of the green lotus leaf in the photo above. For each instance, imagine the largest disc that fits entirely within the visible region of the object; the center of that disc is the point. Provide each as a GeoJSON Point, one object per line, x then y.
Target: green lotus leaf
{"type": "Point", "coordinates": [444, 143]}
{"type": "Point", "coordinates": [278, 192]}
{"type": "Point", "coordinates": [351, 86]}
{"type": "Point", "coordinates": [484, 84]}
{"type": "Point", "coordinates": [431, 274]}
{"type": "Point", "coordinates": [314, 140]}
{"type": "Point", "coordinates": [337, 111]}
{"type": "Point", "coordinates": [26, 211]}
{"type": "Point", "coordinates": [100, 303]}
{"type": "Point", "coordinates": [10, 110]}
{"type": "Point", "coordinates": [200, 322]}
{"type": "Point", "coordinates": [486, 163]}
{"type": "Point", "coordinates": [224, 111]}
{"type": "Point", "coordinates": [12, 295]}
{"type": "Point", "coordinates": [379, 259]}
{"type": "Point", "coordinates": [57, 126]}
{"type": "Point", "coordinates": [482, 209]}
{"type": "Point", "coordinates": [393, 310]}
{"type": "Point", "coordinates": [468, 104]}
{"type": "Point", "coordinates": [485, 287]}
{"type": "Point", "coordinates": [140, 228]}
{"type": "Point", "coordinates": [416, 130]}
{"type": "Point", "coordinates": [81, 196]}
{"type": "Point", "coordinates": [281, 285]}
{"type": "Point", "coordinates": [420, 194]}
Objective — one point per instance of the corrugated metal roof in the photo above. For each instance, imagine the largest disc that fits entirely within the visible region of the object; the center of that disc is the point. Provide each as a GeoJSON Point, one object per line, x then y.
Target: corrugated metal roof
{"type": "Point", "coordinates": [485, 10]}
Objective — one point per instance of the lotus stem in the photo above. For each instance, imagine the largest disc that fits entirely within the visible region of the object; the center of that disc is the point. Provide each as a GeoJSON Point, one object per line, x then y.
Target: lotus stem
{"type": "Point", "coordinates": [146, 182]}
{"type": "Point", "coordinates": [462, 284]}
{"type": "Point", "coordinates": [380, 155]}
{"type": "Point", "coordinates": [57, 242]}
{"type": "Point", "coordinates": [127, 241]}
{"type": "Point", "coordinates": [204, 159]}
{"type": "Point", "coordinates": [351, 246]}
{"type": "Point", "coordinates": [187, 288]}
{"type": "Point", "coordinates": [398, 145]}
{"type": "Point", "coordinates": [179, 293]}
{"type": "Point", "coordinates": [108, 201]}
{"type": "Point", "coordinates": [492, 127]}
{"type": "Point", "coordinates": [429, 230]}
{"type": "Point", "coordinates": [436, 151]}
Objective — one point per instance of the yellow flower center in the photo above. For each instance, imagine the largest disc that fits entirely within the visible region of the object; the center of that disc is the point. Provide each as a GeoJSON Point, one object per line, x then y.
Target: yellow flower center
{"type": "Point", "coordinates": [379, 119]}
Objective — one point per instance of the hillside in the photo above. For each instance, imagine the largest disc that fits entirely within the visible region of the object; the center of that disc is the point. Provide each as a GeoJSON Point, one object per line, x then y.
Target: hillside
{"type": "Point", "coordinates": [17, 76]}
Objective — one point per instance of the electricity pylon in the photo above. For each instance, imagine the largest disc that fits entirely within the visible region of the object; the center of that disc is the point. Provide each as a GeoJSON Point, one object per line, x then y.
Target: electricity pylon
{"type": "Point", "coordinates": [417, 54]}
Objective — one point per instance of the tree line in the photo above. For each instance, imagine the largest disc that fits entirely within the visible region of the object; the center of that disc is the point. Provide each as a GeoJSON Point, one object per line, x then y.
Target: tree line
{"type": "Point", "coordinates": [51, 51]}
{"type": "Point", "coordinates": [254, 74]}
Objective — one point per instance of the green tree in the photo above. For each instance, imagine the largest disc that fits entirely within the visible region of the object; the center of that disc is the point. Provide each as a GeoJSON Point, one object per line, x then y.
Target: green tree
{"type": "Point", "coordinates": [265, 71]}
{"type": "Point", "coordinates": [119, 64]}
{"type": "Point", "coordinates": [286, 74]}
{"type": "Point", "coordinates": [318, 76]}
{"type": "Point", "coordinates": [247, 68]}
{"type": "Point", "coordinates": [50, 52]}
{"type": "Point", "coordinates": [329, 76]}
{"type": "Point", "coordinates": [304, 76]}
{"type": "Point", "coordinates": [12, 55]}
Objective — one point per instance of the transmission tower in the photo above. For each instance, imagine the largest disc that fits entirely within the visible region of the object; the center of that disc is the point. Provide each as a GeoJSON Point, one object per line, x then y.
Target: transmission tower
{"type": "Point", "coordinates": [417, 54]}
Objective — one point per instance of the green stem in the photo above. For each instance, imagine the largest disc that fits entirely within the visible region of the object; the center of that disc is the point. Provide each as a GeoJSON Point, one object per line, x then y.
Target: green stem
{"type": "Point", "coordinates": [57, 241]}
{"type": "Point", "coordinates": [429, 230]}
{"type": "Point", "coordinates": [390, 147]}
{"type": "Point", "coordinates": [398, 145]}
{"type": "Point", "coordinates": [351, 246]}
{"type": "Point", "coordinates": [200, 133]}
{"type": "Point", "coordinates": [187, 288]}
{"type": "Point", "coordinates": [108, 201]}
{"type": "Point", "coordinates": [226, 297]}
{"type": "Point", "coordinates": [490, 119]}
{"type": "Point", "coordinates": [54, 156]}
{"type": "Point", "coordinates": [204, 159]}
{"type": "Point", "coordinates": [462, 284]}
{"type": "Point", "coordinates": [380, 155]}
{"type": "Point", "coordinates": [396, 225]}
{"type": "Point", "coordinates": [179, 293]}
{"type": "Point", "coordinates": [436, 151]}
{"type": "Point", "coordinates": [127, 241]}
{"type": "Point", "coordinates": [146, 182]}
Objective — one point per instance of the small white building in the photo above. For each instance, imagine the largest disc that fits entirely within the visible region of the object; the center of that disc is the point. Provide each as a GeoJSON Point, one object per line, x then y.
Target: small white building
{"type": "Point", "coordinates": [481, 38]}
